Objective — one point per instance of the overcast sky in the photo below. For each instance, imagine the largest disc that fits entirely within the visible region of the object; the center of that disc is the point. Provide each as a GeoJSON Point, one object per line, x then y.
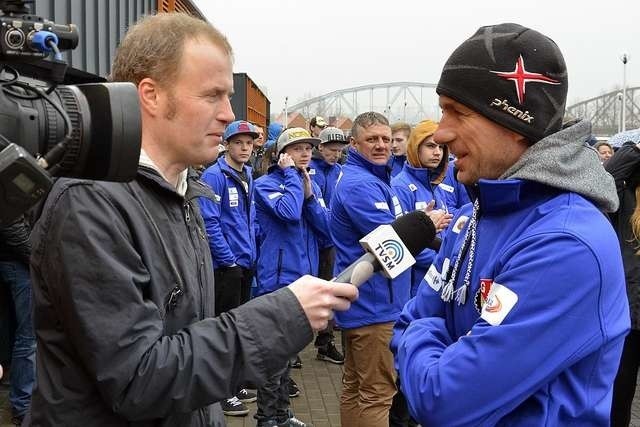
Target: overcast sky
{"type": "Point", "coordinates": [295, 48]}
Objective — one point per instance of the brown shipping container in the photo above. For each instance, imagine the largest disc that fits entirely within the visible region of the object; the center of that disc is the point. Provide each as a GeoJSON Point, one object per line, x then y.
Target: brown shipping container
{"type": "Point", "coordinates": [248, 101]}
{"type": "Point", "coordinates": [185, 6]}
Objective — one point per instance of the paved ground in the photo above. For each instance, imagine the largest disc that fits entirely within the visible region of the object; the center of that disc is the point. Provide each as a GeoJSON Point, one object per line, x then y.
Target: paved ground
{"type": "Point", "coordinates": [318, 405]}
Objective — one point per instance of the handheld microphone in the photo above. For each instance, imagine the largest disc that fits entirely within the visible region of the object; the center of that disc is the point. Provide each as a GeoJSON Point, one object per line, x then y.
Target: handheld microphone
{"type": "Point", "coordinates": [391, 248]}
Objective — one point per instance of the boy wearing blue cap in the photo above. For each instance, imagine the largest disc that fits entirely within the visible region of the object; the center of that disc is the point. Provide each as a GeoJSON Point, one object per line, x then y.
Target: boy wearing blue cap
{"type": "Point", "coordinates": [229, 224]}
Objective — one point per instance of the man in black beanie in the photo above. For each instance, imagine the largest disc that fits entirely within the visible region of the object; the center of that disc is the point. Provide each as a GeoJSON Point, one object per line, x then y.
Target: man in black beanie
{"type": "Point", "coordinates": [523, 314]}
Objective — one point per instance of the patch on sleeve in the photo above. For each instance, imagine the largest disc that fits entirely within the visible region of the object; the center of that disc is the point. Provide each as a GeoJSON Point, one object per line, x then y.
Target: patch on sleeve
{"type": "Point", "coordinates": [446, 187]}
{"type": "Point", "coordinates": [397, 208]}
{"type": "Point", "coordinates": [413, 187]}
{"type": "Point", "coordinates": [274, 195]}
{"type": "Point", "coordinates": [312, 171]}
{"type": "Point", "coordinates": [382, 205]}
{"type": "Point", "coordinates": [499, 303]}
{"type": "Point", "coordinates": [217, 198]}
{"type": "Point", "coordinates": [433, 278]}
{"type": "Point", "coordinates": [460, 223]}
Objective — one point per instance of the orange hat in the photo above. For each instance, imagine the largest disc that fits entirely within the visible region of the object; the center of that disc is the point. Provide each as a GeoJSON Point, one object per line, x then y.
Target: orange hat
{"type": "Point", "coordinates": [422, 131]}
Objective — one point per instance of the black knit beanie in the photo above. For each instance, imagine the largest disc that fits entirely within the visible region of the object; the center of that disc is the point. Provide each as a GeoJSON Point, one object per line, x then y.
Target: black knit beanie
{"type": "Point", "coordinates": [512, 75]}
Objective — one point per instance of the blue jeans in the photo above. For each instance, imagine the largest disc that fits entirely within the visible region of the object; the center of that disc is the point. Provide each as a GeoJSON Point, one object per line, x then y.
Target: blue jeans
{"type": "Point", "coordinates": [273, 398]}
{"type": "Point", "coordinates": [16, 275]}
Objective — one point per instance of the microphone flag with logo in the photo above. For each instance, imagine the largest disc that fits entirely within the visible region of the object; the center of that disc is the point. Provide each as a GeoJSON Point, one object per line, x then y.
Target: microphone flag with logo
{"type": "Point", "coordinates": [391, 248]}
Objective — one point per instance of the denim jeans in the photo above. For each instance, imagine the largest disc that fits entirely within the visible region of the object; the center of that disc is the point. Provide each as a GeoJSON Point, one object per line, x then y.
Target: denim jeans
{"type": "Point", "coordinates": [273, 398]}
{"type": "Point", "coordinates": [16, 275]}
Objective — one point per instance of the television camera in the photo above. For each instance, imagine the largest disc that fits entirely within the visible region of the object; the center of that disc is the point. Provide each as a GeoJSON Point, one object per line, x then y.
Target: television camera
{"type": "Point", "coordinates": [51, 126]}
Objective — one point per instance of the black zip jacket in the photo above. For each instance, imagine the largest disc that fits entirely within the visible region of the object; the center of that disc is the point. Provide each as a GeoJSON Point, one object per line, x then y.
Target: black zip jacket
{"type": "Point", "coordinates": [624, 166]}
{"type": "Point", "coordinates": [123, 311]}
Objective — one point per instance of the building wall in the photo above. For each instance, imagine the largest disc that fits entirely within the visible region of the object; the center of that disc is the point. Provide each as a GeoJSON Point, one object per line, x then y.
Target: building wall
{"type": "Point", "coordinates": [102, 24]}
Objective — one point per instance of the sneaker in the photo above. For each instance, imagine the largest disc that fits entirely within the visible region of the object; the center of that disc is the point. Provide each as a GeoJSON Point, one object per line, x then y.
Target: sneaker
{"type": "Point", "coordinates": [330, 353]}
{"type": "Point", "coordinates": [17, 420]}
{"type": "Point", "coordinates": [296, 363]}
{"type": "Point", "coordinates": [294, 391]}
{"type": "Point", "coordinates": [234, 408]}
{"type": "Point", "coordinates": [292, 422]}
{"type": "Point", "coordinates": [246, 396]}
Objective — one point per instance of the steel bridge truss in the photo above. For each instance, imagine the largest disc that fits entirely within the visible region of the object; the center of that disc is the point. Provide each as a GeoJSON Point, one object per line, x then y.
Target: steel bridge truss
{"type": "Point", "coordinates": [406, 101]}
{"type": "Point", "coordinates": [605, 111]}
{"type": "Point", "coordinates": [414, 101]}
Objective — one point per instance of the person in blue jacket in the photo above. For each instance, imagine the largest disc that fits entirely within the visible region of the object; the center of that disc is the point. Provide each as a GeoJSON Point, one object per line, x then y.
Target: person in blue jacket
{"type": "Point", "coordinates": [325, 170]}
{"type": "Point", "coordinates": [418, 185]}
{"type": "Point", "coordinates": [400, 133]}
{"type": "Point", "coordinates": [455, 193]}
{"type": "Point", "coordinates": [273, 132]}
{"type": "Point", "coordinates": [229, 222]}
{"type": "Point", "coordinates": [324, 167]}
{"type": "Point", "coordinates": [292, 217]}
{"type": "Point", "coordinates": [363, 200]}
{"type": "Point", "coordinates": [522, 316]}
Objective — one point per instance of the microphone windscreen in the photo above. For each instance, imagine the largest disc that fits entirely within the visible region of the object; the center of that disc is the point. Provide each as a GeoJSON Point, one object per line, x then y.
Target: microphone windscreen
{"type": "Point", "coordinates": [416, 230]}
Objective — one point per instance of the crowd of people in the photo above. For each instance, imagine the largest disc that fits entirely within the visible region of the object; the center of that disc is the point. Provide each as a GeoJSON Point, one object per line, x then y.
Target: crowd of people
{"type": "Point", "coordinates": [168, 299]}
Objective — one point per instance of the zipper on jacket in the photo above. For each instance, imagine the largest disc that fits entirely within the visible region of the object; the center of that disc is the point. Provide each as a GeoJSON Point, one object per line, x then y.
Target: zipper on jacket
{"type": "Point", "coordinates": [309, 231]}
{"type": "Point", "coordinates": [187, 217]}
{"type": "Point", "coordinates": [279, 267]}
{"type": "Point", "coordinates": [172, 299]}
{"type": "Point", "coordinates": [247, 193]}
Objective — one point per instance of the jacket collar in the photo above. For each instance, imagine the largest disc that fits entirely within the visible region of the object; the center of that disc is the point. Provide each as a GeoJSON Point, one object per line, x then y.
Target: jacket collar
{"type": "Point", "coordinates": [320, 163]}
{"type": "Point", "coordinates": [195, 187]}
{"type": "Point", "coordinates": [222, 161]}
{"type": "Point", "coordinates": [397, 159]}
{"type": "Point", "coordinates": [423, 175]}
{"type": "Point", "coordinates": [356, 159]}
{"type": "Point", "coordinates": [500, 196]}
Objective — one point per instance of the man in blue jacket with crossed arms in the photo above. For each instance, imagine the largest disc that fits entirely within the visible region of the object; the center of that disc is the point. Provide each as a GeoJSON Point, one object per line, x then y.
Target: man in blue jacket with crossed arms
{"type": "Point", "coordinates": [522, 315]}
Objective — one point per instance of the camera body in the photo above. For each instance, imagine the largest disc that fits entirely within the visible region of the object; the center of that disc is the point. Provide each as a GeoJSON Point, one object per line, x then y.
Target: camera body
{"type": "Point", "coordinates": [20, 35]}
{"type": "Point", "coordinates": [89, 131]}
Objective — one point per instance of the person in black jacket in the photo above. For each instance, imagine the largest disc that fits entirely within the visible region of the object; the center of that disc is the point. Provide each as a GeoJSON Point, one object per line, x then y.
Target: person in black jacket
{"type": "Point", "coordinates": [14, 272]}
{"type": "Point", "coordinates": [122, 273]}
{"type": "Point", "coordinates": [624, 166]}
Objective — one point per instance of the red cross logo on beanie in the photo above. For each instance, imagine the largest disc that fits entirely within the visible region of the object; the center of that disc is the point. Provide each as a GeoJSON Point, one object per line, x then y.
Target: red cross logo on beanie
{"type": "Point", "coordinates": [520, 76]}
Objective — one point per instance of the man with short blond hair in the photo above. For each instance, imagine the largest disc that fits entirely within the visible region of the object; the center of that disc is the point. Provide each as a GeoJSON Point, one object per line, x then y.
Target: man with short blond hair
{"type": "Point", "coordinates": [122, 273]}
{"type": "Point", "coordinates": [400, 132]}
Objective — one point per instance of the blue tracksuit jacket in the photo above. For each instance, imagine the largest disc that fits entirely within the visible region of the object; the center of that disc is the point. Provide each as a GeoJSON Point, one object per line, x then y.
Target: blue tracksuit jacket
{"type": "Point", "coordinates": [538, 340]}
{"type": "Point", "coordinates": [415, 190]}
{"type": "Point", "coordinates": [396, 164]}
{"type": "Point", "coordinates": [230, 221]}
{"type": "Point", "coordinates": [326, 176]}
{"type": "Point", "coordinates": [363, 200]}
{"type": "Point", "coordinates": [455, 193]}
{"type": "Point", "coordinates": [290, 228]}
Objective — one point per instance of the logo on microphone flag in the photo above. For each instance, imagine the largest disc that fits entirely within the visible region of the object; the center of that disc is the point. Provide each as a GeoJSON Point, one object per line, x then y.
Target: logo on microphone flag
{"type": "Point", "coordinates": [389, 249]}
{"type": "Point", "coordinates": [394, 249]}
